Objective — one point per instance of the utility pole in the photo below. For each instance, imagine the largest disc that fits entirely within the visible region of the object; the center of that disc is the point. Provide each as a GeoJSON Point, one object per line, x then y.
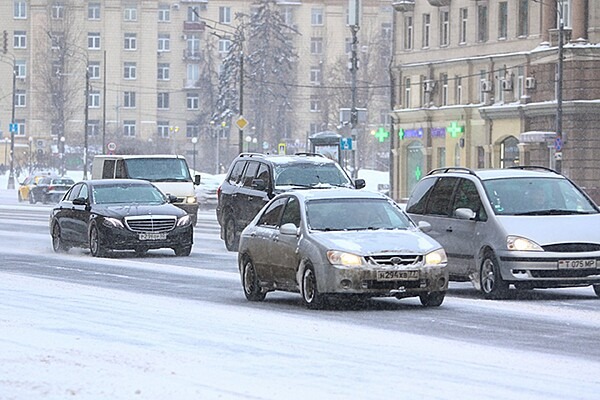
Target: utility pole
{"type": "Point", "coordinates": [104, 144]}
{"type": "Point", "coordinates": [11, 175]}
{"type": "Point", "coordinates": [354, 9]}
{"type": "Point", "coordinates": [241, 131]}
{"type": "Point", "coordinates": [86, 118]}
{"type": "Point", "coordinates": [559, 94]}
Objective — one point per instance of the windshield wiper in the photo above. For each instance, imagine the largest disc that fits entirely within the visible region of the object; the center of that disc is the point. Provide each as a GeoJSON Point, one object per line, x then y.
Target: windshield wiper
{"type": "Point", "coordinates": [554, 211]}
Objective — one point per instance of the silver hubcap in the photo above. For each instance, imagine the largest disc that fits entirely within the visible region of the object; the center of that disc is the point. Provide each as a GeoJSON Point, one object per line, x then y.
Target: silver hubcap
{"type": "Point", "coordinates": [94, 241]}
{"type": "Point", "coordinates": [308, 286]}
{"type": "Point", "coordinates": [249, 278]}
{"type": "Point", "coordinates": [56, 237]}
{"type": "Point", "coordinates": [488, 279]}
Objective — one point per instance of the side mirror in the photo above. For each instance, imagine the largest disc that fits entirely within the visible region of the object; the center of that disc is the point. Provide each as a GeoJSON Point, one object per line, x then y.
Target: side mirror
{"type": "Point", "coordinates": [259, 184]}
{"type": "Point", "coordinates": [359, 183]}
{"type": "Point", "coordinates": [464, 213]}
{"type": "Point", "coordinates": [171, 198]}
{"type": "Point", "coordinates": [80, 201]}
{"type": "Point", "coordinates": [196, 180]}
{"type": "Point", "coordinates": [424, 226]}
{"type": "Point", "coordinates": [289, 229]}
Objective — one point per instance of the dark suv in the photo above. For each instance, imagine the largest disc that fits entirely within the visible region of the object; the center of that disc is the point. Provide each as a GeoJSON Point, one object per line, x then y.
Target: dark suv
{"type": "Point", "coordinates": [254, 179]}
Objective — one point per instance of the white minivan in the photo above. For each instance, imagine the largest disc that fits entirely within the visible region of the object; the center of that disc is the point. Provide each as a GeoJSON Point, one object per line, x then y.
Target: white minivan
{"type": "Point", "coordinates": [170, 173]}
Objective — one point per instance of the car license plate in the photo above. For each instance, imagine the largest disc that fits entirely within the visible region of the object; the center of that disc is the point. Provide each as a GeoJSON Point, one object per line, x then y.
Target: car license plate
{"type": "Point", "coordinates": [152, 236]}
{"type": "Point", "coordinates": [576, 264]}
{"type": "Point", "coordinates": [397, 275]}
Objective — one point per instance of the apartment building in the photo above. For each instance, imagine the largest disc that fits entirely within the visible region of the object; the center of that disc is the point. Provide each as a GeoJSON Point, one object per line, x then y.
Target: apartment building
{"type": "Point", "coordinates": [133, 76]}
{"type": "Point", "coordinates": [477, 84]}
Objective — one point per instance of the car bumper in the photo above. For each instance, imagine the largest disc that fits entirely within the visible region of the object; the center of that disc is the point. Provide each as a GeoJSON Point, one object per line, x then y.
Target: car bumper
{"type": "Point", "coordinates": [123, 239]}
{"type": "Point", "coordinates": [550, 269]}
{"type": "Point", "coordinates": [365, 281]}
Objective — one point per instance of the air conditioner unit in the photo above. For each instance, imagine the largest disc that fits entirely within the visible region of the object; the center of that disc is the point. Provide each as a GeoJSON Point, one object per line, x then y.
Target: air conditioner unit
{"type": "Point", "coordinates": [530, 82]}
{"type": "Point", "coordinates": [486, 86]}
{"type": "Point", "coordinates": [507, 85]}
{"type": "Point", "coordinates": [429, 85]}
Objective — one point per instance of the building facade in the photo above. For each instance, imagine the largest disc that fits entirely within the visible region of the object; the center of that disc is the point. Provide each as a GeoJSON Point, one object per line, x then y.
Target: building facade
{"type": "Point", "coordinates": [478, 84]}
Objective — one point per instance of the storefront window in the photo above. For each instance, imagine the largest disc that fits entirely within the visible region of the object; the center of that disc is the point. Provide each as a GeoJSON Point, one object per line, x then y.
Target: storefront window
{"type": "Point", "coordinates": [509, 152]}
{"type": "Point", "coordinates": [414, 167]}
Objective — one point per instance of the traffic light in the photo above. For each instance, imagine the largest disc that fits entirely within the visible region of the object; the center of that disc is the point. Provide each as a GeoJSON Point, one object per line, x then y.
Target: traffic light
{"type": "Point", "coordinates": [5, 42]}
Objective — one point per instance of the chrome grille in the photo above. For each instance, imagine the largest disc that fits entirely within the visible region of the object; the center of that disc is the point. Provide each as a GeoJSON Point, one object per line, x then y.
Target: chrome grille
{"type": "Point", "coordinates": [572, 247]}
{"type": "Point", "coordinates": [394, 259]}
{"type": "Point", "coordinates": [151, 223]}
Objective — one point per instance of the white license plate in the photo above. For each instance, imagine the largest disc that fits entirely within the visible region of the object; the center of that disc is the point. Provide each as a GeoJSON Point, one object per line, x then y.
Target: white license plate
{"type": "Point", "coordinates": [152, 236]}
{"type": "Point", "coordinates": [397, 275]}
{"type": "Point", "coordinates": [576, 264]}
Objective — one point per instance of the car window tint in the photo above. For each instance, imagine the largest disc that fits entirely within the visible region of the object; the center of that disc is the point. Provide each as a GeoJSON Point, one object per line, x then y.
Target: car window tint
{"type": "Point", "coordinates": [236, 172]}
{"type": "Point", "coordinates": [467, 197]}
{"type": "Point", "coordinates": [441, 197]}
{"type": "Point", "coordinates": [74, 192]}
{"type": "Point", "coordinates": [418, 199]}
{"type": "Point", "coordinates": [272, 214]}
{"type": "Point", "coordinates": [310, 174]}
{"type": "Point", "coordinates": [250, 173]}
{"type": "Point", "coordinates": [84, 192]}
{"type": "Point", "coordinates": [264, 174]}
{"type": "Point", "coordinates": [108, 170]}
{"type": "Point", "coordinates": [291, 213]}
{"type": "Point", "coordinates": [120, 171]}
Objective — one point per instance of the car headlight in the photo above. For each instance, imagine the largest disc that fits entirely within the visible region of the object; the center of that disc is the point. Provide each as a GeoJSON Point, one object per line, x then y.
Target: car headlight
{"type": "Point", "coordinates": [113, 222]}
{"type": "Point", "coordinates": [436, 257]}
{"type": "Point", "coordinates": [185, 220]}
{"type": "Point", "coordinates": [518, 243]}
{"type": "Point", "coordinates": [345, 259]}
{"type": "Point", "coordinates": [191, 199]}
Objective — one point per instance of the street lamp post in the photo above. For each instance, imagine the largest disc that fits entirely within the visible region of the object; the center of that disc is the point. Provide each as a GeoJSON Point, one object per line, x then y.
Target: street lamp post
{"type": "Point", "coordinates": [11, 175]}
{"type": "Point", "coordinates": [194, 141]}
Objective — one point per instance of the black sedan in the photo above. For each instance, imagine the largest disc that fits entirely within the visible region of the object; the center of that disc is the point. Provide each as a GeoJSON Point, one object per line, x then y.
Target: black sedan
{"type": "Point", "coordinates": [50, 189]}
{"type": "Point", "coordinates": [119, 214]}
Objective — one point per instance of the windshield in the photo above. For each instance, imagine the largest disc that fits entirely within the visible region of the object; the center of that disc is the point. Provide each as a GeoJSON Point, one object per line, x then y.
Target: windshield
{"type": "Point", "coordinates": [310, 175]}
{"type": "Point", "coordinates": [536, 196]}
{"type": "Point", "coordinates": [355, 214]}
{"type": "Point", "coordinates": [158, 169]}
{"type": "Point", "coordinates": [127, 194]}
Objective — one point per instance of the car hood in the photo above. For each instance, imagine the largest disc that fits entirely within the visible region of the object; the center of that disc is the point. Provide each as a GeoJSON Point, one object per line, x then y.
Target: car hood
{"type": "Point", "coordinates": [128, 210]}
{"type": "Point", "coordinates": [377, 241]}
{"type": "Point", "coordinates": [550, 229]}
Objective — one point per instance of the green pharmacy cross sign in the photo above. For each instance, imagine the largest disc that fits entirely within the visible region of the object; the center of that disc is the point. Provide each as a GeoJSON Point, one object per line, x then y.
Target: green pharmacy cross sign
{"type": "Point", "coordinates": [381, 134]}
{"type": "Point", "coordinates": [454, 129]}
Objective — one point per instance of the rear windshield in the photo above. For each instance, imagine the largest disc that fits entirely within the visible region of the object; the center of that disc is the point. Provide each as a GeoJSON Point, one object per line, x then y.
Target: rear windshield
{"type": "Point", "coordinates": [536, 196]}
{"type": "Point", "coordinates": [158, 169]}
{"type": "Point", "coordinates": [311, 175]}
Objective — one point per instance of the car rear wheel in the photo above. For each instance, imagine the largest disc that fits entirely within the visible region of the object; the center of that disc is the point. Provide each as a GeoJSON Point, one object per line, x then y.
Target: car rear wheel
{"type": "Point", "coordinates": [231, 237]}
{"type": "Point", "coordinates": [432, 299]}
{"type": "Point", "coordinates": [492, 284]}
{"type": "Point", "coordinates": [310, 294]}
{"type": "Point", "coordinates": [183, 251]}
{"type": "Point", "coordinates": [252, 289]}
{"type": "Point", "coordinates": [597, 290]}
{"type": "Point", "coordinates": [32, 198]}
{"type": "Point", "coordinates": [96, 247]}
{"type": "Point", "coordinates": [57, 242]}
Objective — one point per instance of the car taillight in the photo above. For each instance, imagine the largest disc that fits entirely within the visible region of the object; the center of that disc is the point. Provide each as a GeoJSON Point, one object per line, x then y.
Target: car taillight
{"type": "Point", "coordinates": [50, 187]}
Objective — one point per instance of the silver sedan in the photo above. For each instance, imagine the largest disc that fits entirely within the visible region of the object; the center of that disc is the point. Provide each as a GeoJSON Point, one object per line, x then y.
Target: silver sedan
{"type": "Point", "coordinates": [340, 242]}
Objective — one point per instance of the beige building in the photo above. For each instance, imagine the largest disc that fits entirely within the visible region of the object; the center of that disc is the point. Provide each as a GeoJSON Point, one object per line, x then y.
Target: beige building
{"type": "Point", "coordinates": [476, 85]}
{"type": "Point", "coordinates": [147, 66]}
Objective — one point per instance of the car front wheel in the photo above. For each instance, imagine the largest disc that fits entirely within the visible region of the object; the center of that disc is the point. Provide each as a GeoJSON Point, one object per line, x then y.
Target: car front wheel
{"type": "Point", "coordinates": [432, 299]}
{"type": "Point", "coordinates": [492, 284]}
{"type": "Point", "coordinates": [310, 294]}
{"type": "Point", "coordinates": [96, 247]}
{"type": "Point", "coordinates": [252, 289]}
{"type": "Point", "coordinates": [31, 198]}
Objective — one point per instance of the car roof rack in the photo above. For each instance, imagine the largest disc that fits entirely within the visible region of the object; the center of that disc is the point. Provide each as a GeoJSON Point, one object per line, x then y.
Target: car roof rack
{"type": "Point", "coordinates": [533, 167]}
{"type": "Point", "coordinates": [446, 170]}
{"type": "Point", "coordinates": [251, 155]}
{"type": "Point", "coordinates": [309, 154]}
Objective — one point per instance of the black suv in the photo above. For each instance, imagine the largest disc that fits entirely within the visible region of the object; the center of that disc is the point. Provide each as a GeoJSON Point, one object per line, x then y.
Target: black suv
{"type": "Point", "coordinates": [254, 179]}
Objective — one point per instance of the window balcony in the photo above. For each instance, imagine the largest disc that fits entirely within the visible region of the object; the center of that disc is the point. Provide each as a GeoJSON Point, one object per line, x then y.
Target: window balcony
{"type": "Point", "coordinates": [439, 3]}
{"type": "Point", "coordinates": [194, 26]}
{"type": "Point", "coordinates": [192, 55]}
{"type": "Point", "coordinates": [191, 83]}
{"type": "Point", "coordinates": [404, 5]}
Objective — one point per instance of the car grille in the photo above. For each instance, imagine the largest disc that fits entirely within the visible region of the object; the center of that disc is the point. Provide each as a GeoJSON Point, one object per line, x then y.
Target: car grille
{"type": "Point", "coordinates": [151, 223]}
{"type": "Point", "coordinates": [572, 247]}
{"type": "Point", "coordinates": [394, 259]}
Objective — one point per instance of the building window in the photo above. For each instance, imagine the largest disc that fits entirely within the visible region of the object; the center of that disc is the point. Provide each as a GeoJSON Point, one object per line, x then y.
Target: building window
{"type": "Point", "coordinates": [93, 40]}
{"type": "Point", "coordinates": [94, 99]}
{"type": "Point", "coordinates": [20, 40]}
{"type": "Point", "coordinates": [94, 69]}
{"type": "Point", "coordinates": [225, 15]}
{"type": "Point", "coordinates": [192, 129]}
{"type": "Point", "coordinates": [163, 129]}
{"type": "Point", "coordinates": [464, 23]}
{"type": "Point", "coordinates": [520, 82]}
{"type": "Point", "coordinates": [192, 74]}
{"type": "Point", "coordinates": [193, 101]}
{"type": "Point", "coordinates": [193, 45]}
{"type": "Point", "coordinates": [130, 13]}
{"type": "Point", "coordinates": [193, 14]}
{"type": "Point", "coordinates": [502, 20]}
{"type": "Point", "coordinates": [129, 99]}
{"type": "Point", "coordinates": [224, 45]}
{"type": "Point", "coordinates": [316, 16]}
{"type": "Point", "coordinates": [20, 98]}
{"type": "Point", "coordinates": [482, 23]}
{"type": "Point", "coordinates": [130, 41]}
{"type": "Point", "coordinates": [163, 72]}
{"type": "Point", "coordinates": [130, 70]}
{"type": "Point", "coordinates": [386, 31]}
{"type": "Point", "coordinates": [407, 93]}
{"type": "Point", "coordinates": [57, 40]}
{"type": "Point", "coordinates": [441, 157]}
{"type": "Point", "coordinates": [20, 9]}
{"type": "Point", "coordinates": [444, 94]}
{"type": "Point", "coordinates": [315, 103]}
{"type": "Point", "coordinates": [162, 102]}
{"type": "Point", "coordinates": [129, 128]}
{"type": "Point", "coordinates": [483, 85]}
{"type": "Point", "coordinates": [316, 45]}
{"type": "Point", "coordinates": [164, 13]}
{"type": "Point", "coordinates": [315, 75]}
{"type": "Point", "coordinates": [57, 11]}
{"type": "Point", "coordinates": [94, 11]}
{"type": "Point", "coordinates": [444, 28]}
{"type": "Point", "coordinates": [93, 127]}
{"type": "Point", "coordinates": [459, 90]}
{"type": "Point", "coordinates": [164, 42]}
{"type": "Point", "coordinates": [20, 127]}
{"type": "Point", "coordinates": [426, 30]}
{"type": "Point", "coordinates": [523, 18]}
{"type": "Point", "coordinates": [509, 152]}
{"type": "Point", "coordinates": [408, 32]}
{"type": "Point", "coordinates": [480, 157]}
{"type": "Point", "coordinates": [21, 69]}
{"type": "Point", "coordinates": [563, 11]}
